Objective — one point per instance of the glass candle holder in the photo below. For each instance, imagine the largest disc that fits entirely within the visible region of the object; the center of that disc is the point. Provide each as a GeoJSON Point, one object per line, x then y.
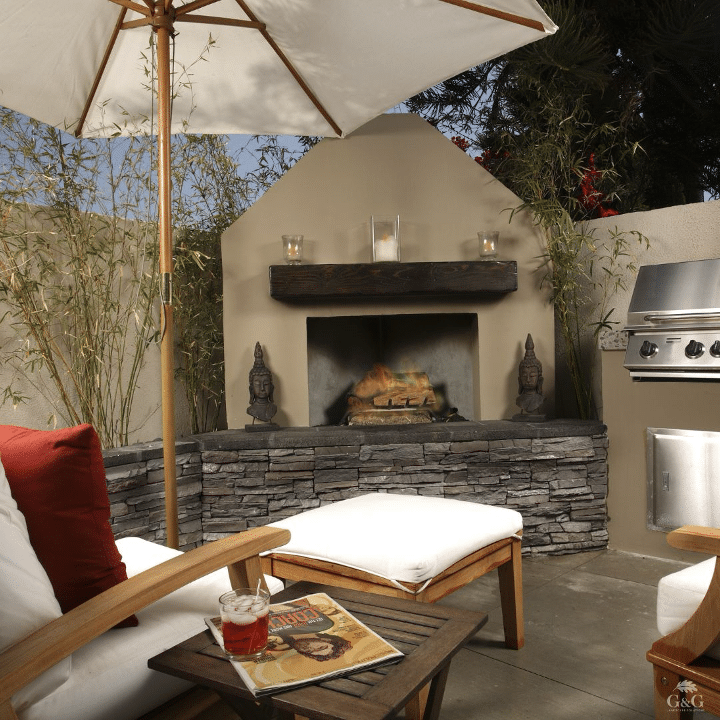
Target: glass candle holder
{"type": "Point", "coordinates": [292, 249]}
{"type": "Point", "coordinates": [488, 244]}
{"type": "Point", "coordinates": [385, 239]}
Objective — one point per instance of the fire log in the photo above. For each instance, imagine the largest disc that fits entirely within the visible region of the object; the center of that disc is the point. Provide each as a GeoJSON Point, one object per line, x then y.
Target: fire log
{"type": "Point", "coordinates": [382, 390]}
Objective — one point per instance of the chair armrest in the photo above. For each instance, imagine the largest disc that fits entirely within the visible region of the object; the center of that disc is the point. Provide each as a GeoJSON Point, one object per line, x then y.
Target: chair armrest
{"type": "Point", "coordinates": [702, 630]}
{"type": "Point", "coordinates": [696, 538]}
{"type": "Point", "coordinates": [24, 661]}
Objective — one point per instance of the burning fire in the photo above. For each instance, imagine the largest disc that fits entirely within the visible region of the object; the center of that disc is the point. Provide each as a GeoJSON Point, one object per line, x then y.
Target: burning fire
{"type": "Point", "coordinates": [382, 390]}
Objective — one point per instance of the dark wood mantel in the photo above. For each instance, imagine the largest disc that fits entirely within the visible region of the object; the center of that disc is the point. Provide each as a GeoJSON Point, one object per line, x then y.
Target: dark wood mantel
{"type": "Point", "coordinates": [421, 280]}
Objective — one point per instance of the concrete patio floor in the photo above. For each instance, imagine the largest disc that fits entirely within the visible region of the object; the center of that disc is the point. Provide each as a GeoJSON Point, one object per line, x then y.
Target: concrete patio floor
{"type": "Point", "coordinates": [589, 620]}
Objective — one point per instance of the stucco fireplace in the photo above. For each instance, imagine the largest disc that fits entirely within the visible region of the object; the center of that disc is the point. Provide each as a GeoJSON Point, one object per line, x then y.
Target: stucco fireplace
{"type": "Point", "coordinates": [470, 343]}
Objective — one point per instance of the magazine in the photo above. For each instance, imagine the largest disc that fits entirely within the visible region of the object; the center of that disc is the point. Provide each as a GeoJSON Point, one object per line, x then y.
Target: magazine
{"type": "Point", "coordinates": [309, 639]}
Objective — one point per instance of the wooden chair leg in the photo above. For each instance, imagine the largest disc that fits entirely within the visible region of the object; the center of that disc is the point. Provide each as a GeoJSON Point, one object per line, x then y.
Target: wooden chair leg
{"type": "Point", "coordinates": [511, 597]}
{"type": "Point", "coordinates": [669, 701]}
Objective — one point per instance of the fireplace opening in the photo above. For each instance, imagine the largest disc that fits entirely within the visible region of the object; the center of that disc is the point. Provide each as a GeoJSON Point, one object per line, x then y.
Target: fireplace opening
{"type": "Point", "coordinates": [342, 350]}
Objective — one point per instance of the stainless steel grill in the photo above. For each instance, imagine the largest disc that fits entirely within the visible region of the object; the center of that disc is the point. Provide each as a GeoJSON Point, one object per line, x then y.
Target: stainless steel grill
{"type": "Point", "coordinates": [674, 322]}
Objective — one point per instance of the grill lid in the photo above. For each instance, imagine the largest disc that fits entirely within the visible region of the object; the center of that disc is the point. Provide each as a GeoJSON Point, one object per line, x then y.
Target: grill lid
{"type": "Point", "coordinates": [679, 293]}
{"type": "Point", "coordinates": [674, 322]}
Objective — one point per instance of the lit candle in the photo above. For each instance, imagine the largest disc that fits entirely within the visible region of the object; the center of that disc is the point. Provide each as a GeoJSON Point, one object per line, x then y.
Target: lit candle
{"type": "Point", "coordinates": [386, 249]}
{"type": "Point", "coordinates": [488, 243]}
{"type": "Point", "coordinates": [292, 248]}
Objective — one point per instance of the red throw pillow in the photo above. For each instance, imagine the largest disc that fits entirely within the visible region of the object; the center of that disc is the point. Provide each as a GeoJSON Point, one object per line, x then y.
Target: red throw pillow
{"type": "Point", "coordinates": [57, 478]}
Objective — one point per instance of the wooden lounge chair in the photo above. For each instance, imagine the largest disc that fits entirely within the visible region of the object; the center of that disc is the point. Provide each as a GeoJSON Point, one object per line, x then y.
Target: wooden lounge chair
{"type": "Point", "coordinates": [686, 661]}
{"type": "Point", "coordinates": [21, 663]}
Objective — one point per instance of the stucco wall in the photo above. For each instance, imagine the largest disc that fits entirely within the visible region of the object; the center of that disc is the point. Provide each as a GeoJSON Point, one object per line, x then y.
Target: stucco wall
{"type": "Point", "coordinates": [684, 232]}
{"type": "Point", "coordinates": [38, 412]}
{"type": "Point", "coordinates": [394, 164]}
{"type": "Point", "coordinates": [146, 421]}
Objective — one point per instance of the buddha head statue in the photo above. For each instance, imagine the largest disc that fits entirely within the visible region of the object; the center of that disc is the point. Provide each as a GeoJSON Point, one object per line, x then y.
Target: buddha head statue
{"type": "Point", "coordinates": [260, 379]}
{"type": "Point", "coordinates": [530, 378]}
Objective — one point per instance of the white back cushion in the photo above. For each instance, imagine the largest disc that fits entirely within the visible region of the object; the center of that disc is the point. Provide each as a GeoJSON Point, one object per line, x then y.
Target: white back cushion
{"type": "Point", "coordinates": [28, 601]}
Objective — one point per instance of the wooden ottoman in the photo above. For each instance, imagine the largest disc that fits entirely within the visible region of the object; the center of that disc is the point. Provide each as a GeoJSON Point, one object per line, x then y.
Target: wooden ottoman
{"type": "Point", "coordinates": [406, 546]}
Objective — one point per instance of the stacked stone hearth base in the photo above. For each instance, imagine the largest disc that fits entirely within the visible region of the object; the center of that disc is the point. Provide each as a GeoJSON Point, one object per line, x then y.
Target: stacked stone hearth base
{"type": "Point", "coordinates": [554, 473]}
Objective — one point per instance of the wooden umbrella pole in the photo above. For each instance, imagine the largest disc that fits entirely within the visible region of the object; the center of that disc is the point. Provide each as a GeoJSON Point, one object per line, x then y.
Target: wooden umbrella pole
{"type": "Point", "coordinates": [163, 30]}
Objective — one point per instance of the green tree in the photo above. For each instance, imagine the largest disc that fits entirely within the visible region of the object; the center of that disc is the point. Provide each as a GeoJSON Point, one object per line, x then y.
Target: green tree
{"type": "Point", "coordinates": [648, 68]}
{"type": "Point", "coordinates": [664, 90]}
{"type": "Point", "coordinates": [548, 162]}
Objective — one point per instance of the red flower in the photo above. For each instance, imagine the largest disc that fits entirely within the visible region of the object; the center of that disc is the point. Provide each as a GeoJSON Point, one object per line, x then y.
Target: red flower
{"type": "Point", "coordinates": [590, 197]}
{"type": "Point", "coordinates": [462, 143]}
{"type": "Point", "coordinates": [488, 159]}
{"type": "Point", "coordinates": [607, 212]}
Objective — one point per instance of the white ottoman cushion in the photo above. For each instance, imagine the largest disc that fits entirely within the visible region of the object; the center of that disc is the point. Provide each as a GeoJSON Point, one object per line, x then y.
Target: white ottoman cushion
{"type": "Point", "coordinates": [679, 596]}
{"type": "Point", "coordinates": [110, 677]}
{"type": "Point", "coordinates": [407, 538]}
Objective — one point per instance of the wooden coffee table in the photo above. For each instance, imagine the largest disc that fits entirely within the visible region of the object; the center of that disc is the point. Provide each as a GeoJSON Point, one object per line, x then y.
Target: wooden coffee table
{"type": "Point", "coordinates": [429, 635]}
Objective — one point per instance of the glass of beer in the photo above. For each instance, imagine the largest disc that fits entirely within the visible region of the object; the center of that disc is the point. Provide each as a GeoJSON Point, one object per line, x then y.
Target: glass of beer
{"type": "Point", "coordinates": [244, 616]}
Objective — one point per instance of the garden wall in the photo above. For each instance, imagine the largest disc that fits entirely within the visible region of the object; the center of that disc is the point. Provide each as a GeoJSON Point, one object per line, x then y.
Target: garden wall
{"type": "Point", "coordinates": [553, 473]}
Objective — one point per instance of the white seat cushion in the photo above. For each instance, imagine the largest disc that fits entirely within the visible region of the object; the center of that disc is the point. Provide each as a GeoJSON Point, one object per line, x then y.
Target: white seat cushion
{"type": "Point", "coordinates": [406, 538]}
{"type": "Point", "coordinates": [680, 594]}
{"type": "Point", "coordinates": [110, 678]}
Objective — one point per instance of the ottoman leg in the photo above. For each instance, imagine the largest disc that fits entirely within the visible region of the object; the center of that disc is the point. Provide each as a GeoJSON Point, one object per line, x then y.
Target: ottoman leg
{"type": "Point", "coordinates": [511, 597]}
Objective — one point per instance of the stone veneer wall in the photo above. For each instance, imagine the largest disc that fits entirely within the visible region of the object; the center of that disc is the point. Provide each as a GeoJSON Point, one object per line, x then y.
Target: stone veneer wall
{"type": "Point", "coordinates": [137, 493]}
{"type": "Point", "coordinates": [554, 474]}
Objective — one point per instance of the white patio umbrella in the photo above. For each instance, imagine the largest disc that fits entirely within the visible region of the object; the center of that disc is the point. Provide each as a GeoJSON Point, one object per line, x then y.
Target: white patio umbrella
{"type": "Point", "coordinates": [290, 67]}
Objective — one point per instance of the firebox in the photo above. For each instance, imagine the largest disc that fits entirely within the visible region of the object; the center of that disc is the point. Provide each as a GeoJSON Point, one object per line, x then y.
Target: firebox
{"type": "Point", "coordinates": [439, 348]}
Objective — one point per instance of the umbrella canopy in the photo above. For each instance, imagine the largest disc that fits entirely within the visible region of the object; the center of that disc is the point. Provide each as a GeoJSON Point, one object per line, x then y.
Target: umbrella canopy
{"type": "Point", "coordinates": [306, 67]}
{"type": "Point", "coordinates": [300, 67]}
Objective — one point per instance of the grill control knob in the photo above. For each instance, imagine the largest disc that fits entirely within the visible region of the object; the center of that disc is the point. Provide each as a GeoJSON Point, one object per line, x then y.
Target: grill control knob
{"type": "Point", "coordinates": [648, 349]}
{"type": "Point", "coordinates": [715, 349]}
{"type": "Point", "coordinates": [694, 349]}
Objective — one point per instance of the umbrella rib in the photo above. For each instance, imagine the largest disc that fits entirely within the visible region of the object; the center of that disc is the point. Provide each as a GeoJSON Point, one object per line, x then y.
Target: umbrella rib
{"type": "Point", "coordinates": [101, 70]}
{"type": "Point", "coordinates": [510, 17]}
{"type": "Point", "coordinates": [137, 23]}
{"type": "Point", "coordinates": [132, 6]}
{"type": "Point", "coordinates": [207, 19]}
{"type": "Point", "coordinates": [192, 6]}
{"type": "Point", "coordinates": [212, 20]}
{"type": "Point", "coordinates": [291, 69]}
